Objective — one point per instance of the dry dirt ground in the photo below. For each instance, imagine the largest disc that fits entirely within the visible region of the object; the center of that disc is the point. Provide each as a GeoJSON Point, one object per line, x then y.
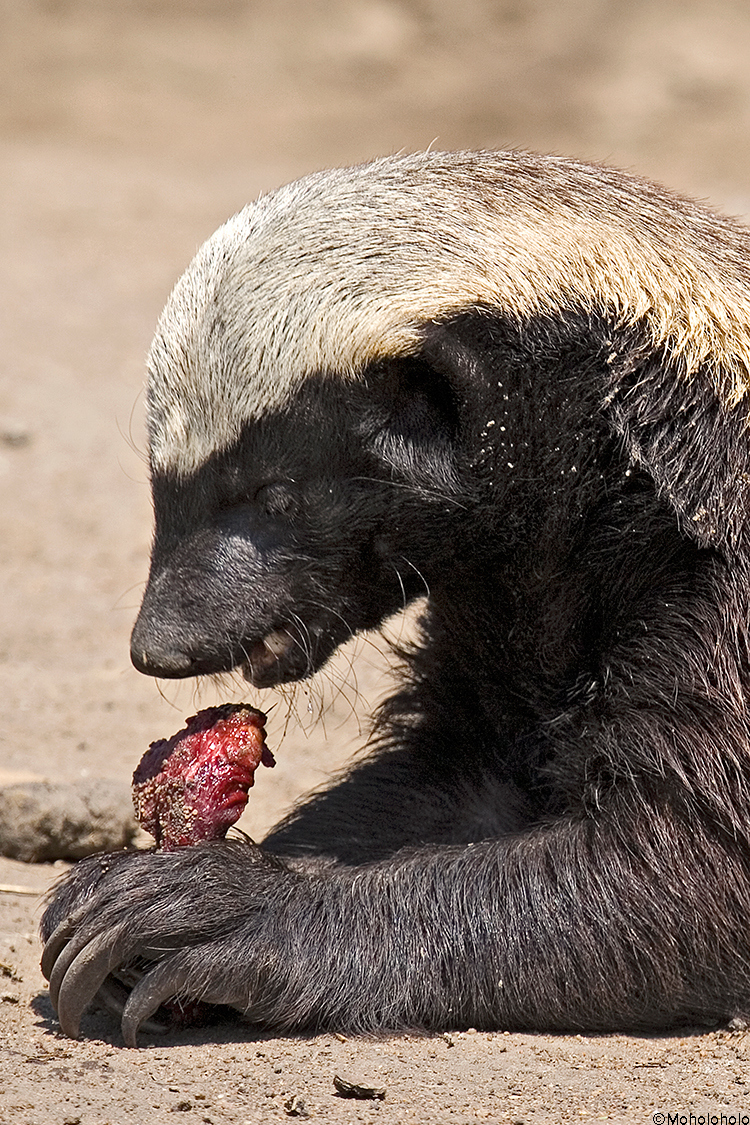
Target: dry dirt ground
{"type": "Point", "coordinates": [128, 131]}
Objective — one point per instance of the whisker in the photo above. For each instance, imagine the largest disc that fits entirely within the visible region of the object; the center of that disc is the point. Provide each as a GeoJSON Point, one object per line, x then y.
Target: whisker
{"type": "Point", "coordinates": [401, 584]}
{"type": "Point", "coordinates": [305, 641]}
{"type": "Point", "coordinates": [418, 490]}
{"type": "Point", "coordinates": [170, 702]}
{"type": "Point", "coordinates": [418, 572]}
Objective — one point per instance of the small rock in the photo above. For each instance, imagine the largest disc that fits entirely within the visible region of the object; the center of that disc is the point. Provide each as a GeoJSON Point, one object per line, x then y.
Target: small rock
{"type": "Point", "coordinates": [295, 1107]}
{"type": "Point", "coordinates": [41, 821]}
{"type": "Point", "coordinates": [348, 1087]}
{"type": "Point", "coordinates": [14, 434]}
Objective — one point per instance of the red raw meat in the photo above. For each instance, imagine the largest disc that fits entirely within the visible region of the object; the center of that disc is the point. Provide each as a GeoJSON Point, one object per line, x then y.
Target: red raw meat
{"type": "Point", "coordinates": [194, 785]}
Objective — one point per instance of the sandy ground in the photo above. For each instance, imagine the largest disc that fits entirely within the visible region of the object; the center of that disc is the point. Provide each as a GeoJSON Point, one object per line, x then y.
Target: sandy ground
{"type": "Point", "coordinates": [128, 132]}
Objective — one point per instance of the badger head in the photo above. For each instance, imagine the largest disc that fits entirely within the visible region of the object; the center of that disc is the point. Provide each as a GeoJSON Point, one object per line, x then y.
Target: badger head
{"type": "Point", "coordinates": [318, 410]}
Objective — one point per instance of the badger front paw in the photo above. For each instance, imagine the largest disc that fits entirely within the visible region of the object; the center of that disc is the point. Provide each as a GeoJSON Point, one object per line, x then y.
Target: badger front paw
{"type": "Point", "coordinates": [138, 929]}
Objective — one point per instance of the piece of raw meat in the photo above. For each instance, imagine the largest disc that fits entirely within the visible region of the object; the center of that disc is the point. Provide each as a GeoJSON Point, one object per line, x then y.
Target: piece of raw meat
{"type": "Point", "coordinates": [194, 785]}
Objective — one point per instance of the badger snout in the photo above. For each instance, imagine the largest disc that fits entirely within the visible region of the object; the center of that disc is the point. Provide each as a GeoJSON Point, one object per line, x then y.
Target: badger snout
{"type": "Point", "coordinates": [219, 600]}
{"type": "Point", "coordinates": [211, 600]}
{"type": "Point", "coordinates": [173, 639]}
{"type": "Point", "coordinates": [159, 649]}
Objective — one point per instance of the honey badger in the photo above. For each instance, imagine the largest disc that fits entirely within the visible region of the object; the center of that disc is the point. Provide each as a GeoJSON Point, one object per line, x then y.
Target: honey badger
{"type": "Point", "coordinates": [518, 385]}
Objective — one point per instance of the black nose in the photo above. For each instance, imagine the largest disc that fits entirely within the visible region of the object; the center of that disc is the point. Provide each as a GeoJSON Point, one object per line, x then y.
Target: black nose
{"type": "Point", "coordinates": [168, 648]}
{"type": "Point", "coordinates": [159, 649]}
{"type": "Point", "coordinates": [169, 663]}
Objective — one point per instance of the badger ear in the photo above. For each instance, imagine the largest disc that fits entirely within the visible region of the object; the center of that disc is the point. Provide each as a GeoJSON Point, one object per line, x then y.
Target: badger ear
{"type": "Point", "coordinates": [694, 446]}
{"type": "Point", "coordinates": [415, 427]}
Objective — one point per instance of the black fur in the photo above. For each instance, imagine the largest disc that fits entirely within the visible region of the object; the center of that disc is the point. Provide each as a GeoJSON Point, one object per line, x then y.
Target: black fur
{"type": "Point", "coordinates": [553, 829]}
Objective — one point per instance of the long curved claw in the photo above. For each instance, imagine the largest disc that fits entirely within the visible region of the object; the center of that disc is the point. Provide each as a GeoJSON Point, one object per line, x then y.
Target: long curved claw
{"type": "Point", "coordinates": [79, 974]}
{"type": "Point", "coordinates": [160, 984]}
{"type": "Point", "coordinates": [113, 995]}
{"type": "Point", "coordinates": [65, 958]}
{"type": "Point", "coordinates": [54, 946]}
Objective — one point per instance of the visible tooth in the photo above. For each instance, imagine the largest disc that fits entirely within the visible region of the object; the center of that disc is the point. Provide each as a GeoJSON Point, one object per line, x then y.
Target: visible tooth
{"type": "Point", "coordinates": [265, 653]}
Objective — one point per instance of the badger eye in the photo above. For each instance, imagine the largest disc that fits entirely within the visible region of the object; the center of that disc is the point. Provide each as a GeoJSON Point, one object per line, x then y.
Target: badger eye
{"type": "Point", "coordinates": [278, 498]}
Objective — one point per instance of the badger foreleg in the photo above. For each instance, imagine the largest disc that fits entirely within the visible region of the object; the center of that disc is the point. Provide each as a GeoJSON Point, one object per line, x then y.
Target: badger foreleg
{"type": "Point", "coordinates": [572, 926]}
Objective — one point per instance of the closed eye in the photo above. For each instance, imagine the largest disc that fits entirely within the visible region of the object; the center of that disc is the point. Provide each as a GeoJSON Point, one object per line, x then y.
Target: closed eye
{"type": "Point", "coordinates": [278, 498]}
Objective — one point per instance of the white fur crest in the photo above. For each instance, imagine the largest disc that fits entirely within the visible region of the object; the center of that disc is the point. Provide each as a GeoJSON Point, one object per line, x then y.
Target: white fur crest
{"type": "Point", "coordinates": [343, 267]}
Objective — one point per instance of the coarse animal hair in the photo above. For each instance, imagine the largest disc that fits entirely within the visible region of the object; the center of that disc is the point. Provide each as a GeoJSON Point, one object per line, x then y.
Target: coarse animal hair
{"type": "Point", "coordinates": [518, 383]}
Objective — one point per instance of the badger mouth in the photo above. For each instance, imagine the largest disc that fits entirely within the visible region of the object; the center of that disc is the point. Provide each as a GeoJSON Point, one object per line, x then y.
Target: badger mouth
{"type": "Point", "coordinates": [268, 652]}
{"type": "Point", "coordinates": [289, 652]}
{"type": "Point", "coordinates": [278, 657]}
